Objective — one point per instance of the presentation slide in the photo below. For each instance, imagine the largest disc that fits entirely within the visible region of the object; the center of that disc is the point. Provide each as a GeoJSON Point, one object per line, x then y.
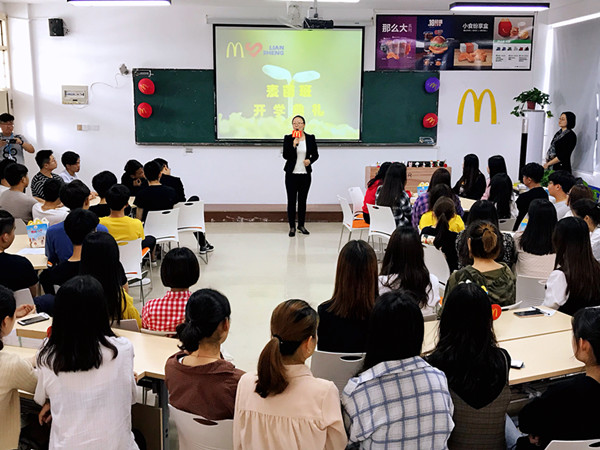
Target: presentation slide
{"type": "Point", "coordinates": [265, 76]}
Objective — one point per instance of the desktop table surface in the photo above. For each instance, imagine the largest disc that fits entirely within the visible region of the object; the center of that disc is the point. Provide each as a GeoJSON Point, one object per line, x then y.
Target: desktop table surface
{"type": "Point", "coordinates": [22, 241]}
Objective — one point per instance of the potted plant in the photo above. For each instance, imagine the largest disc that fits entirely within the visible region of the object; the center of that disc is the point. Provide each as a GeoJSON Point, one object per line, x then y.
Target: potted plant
{"type": "Point", "coordinates": [531, 97]}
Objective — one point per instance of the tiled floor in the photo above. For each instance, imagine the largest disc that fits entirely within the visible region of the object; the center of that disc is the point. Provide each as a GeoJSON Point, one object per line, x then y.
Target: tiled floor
{"type": "Point", "coordinates": [257, 266]}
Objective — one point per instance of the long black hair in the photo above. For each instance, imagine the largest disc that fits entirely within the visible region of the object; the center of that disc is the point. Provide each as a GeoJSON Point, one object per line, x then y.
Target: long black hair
{"type": "Point", "coordinates": [497, 165]}
{"type": "Point", "coordinates": [586, 325]}
{"type": "Point", "coordinates": [470, 173]}
{"type": "Point", "coordinates": [501, 194]}
{"type": "Point", "coordinates": [100, 258]}
{"type": "Point", "coordinates": [380, 173]}
{"type": "Point", "coordinates": [392, 188]}
{"type": "Point", "coordinates": [537, 237]}
{"type": "Point", "coordinates": [79, 329]}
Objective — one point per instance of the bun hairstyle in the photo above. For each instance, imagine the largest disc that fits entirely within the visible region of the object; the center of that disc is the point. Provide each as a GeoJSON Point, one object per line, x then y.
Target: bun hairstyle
{"type": "Point", "coordinates": [204, 311]}
{"type": "Point", "coordinates": [292, 322]}
{"type": "Point", "coordinates": [587, 207]}
{"type": "Point", "coordinates": [486, 241]}
{"type": "Point", "coordinates": [586, 325]}
{"type": "Point", "coordinates": [8, 306]}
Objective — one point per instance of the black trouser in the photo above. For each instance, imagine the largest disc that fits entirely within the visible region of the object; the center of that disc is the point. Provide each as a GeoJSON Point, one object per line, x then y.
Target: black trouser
{"type": "Point", "coordinates": [296, 186]}
{"type": "Point", "coordinates": [367, 217]}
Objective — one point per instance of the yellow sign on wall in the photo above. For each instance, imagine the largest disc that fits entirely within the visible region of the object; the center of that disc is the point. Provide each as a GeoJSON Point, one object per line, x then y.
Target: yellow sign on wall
{"type": "Point", "coordinates": [477, 101]}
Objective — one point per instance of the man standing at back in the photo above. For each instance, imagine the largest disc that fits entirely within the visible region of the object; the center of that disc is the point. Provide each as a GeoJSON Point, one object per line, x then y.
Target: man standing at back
{"type": "Point", "coordinates": [12, 145]}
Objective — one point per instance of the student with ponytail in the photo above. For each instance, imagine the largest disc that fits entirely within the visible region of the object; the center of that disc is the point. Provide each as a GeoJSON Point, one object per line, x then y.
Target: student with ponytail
{"type": "Point", "coordinates": [485, 243]}
{"type": "Point", "coordinates": [456, 223]}
{"type": "Point", "coordinates": [284, 406]}
{"type": "Point", "coordinates": [589, 211]}
{"type": "Point", "coordinates": [199, 380]}
{"type": "Point", "coordinates": [445, 237]}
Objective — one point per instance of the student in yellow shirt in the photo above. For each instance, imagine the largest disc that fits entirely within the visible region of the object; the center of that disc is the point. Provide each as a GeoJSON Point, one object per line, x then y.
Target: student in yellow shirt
{"type": "Point", "coordinates": [456, 224]}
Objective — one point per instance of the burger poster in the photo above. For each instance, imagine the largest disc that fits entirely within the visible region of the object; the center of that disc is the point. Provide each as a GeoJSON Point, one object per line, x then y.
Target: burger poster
{"type": "Point", "coordinates": [453, 42]}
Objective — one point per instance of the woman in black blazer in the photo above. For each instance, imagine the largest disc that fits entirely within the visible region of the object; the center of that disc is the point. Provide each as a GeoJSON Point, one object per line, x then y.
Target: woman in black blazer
{"type": "Point", "coordinates": [299, 154]}
{"type": "Point", "coordinates": [563, 143]}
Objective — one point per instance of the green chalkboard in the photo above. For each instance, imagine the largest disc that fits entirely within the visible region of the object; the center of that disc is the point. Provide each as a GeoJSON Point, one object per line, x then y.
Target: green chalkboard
{"type": "Point", "coordinates": [394, 104]}
{"type": "Point", "coordinates": [183, 107]}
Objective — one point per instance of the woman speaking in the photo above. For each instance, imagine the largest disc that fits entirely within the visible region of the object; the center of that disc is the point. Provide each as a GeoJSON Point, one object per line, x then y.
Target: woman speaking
{"type": "Point", "coordinates": [563, 143]}
{"type": "Point", "coordinates": [299, 152]}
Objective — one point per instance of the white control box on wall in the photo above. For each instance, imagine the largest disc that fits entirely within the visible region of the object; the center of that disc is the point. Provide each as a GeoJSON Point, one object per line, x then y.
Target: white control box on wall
{"type": "Point", "coordinates": [75, 95]}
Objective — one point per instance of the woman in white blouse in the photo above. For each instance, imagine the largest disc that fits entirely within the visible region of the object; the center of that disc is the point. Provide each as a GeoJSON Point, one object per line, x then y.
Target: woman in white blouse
{"type": "Point", "coordinates": [589, 211]}
{"type": "Point", "coordinates": [575, 281]}
{"type": "Point", "coordinates": [85, 380]}
{"type": "Point", "coordinates": [284, 406]}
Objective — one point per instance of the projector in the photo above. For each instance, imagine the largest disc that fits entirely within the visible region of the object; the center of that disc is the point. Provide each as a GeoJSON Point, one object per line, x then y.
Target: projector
{"type": "Point", "coordinates": [318, 24]}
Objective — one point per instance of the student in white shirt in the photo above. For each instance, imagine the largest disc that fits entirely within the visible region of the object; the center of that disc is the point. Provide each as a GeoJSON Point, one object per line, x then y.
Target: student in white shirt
{"type": "Point", "coordinates": [589, 211]}
{"type": "Point", "coordinates": [575, 281]}
{"type": "Point", "coordinates": [560, 183]}
{"type": "Point", "coordinates": [85, 379]}
{"type": "Point", "coordinates": [72, 164]}
{"type": "Point", "coordinates": [52, 209]}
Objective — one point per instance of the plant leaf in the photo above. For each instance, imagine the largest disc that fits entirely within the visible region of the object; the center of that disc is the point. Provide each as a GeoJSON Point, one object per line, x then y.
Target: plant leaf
{"type": "Point", "coordinates": [305, 77]}
{"type": "Point", "coordinates": [277, 73]}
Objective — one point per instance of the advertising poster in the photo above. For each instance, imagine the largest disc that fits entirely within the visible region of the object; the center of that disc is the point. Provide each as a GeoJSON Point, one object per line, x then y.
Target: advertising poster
{"type": "Point", "coordinates": [453, 42]}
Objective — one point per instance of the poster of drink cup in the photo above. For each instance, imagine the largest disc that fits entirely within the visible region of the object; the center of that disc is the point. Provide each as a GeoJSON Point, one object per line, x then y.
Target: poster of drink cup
{"type": "Point", "coordinates": [513, 43]}
{"type": "Point", "coordinates": [396, 42]}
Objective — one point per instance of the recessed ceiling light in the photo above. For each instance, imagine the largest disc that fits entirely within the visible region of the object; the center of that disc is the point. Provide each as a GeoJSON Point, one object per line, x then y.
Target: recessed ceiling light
{"type": "Point", "coordinates": [499, 7]}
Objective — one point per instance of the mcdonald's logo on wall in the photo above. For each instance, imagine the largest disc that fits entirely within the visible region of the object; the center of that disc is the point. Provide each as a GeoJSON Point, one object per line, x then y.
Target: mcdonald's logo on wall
{"type": "Point", "coordinates": [477, 101]}
{"type": "Point", "coordinates": [234, 47]}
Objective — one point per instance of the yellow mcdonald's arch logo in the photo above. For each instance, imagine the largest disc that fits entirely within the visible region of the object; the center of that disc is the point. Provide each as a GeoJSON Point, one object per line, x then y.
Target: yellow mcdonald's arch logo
{"type": "Point", "coordinates": [234, 47]}
{"type": "Point", "coordinates": [477, 101]}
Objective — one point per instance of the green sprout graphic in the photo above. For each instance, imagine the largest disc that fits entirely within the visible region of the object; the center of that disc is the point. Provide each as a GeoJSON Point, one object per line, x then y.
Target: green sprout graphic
{"type": "Point", "coordinates": [279, 73]}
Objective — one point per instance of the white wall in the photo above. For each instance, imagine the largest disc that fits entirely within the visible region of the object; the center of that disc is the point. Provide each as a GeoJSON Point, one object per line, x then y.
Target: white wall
{"type": "Point", "coordinates": [101, 39]}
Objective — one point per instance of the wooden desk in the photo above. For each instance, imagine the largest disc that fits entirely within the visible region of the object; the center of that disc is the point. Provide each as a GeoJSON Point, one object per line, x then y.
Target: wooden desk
{"type": "Point", "coordinates": [545, 356]}
{"type": "Point", "coordinates": [466, 203]}
{"type": "Point", "coordinates": [22, 241]}
{"type": "Point", "coordinates": [414, 176]}
{"type": "Point", "coordinates": [510, 327]}
{"type": "Point", "coordinates": [96, 200]}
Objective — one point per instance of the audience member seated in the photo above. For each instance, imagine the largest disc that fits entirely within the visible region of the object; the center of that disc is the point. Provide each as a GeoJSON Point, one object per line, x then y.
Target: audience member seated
{"type": "Point", "coordinates": [199, 380]}
{"type": "Point", "coordinates": [16, 373]}
{"type": "Point", "coordinates": [422, 204]}
{"type": "Point", "coordinates": [472, 182]}
{"type": "Point", "coordinates": [531, 176]}
{"type": "Point", "coordinates": [391, 193]}
{"type": "Point", "coordinates": [589, 211]}
{"type": "Point", "coordinates": [284, 405]}
{"type": "Point", "coordinates": [101, 183]}
{"type": "Point", "coordinates": [577, 192]}
{"type": "Point", "coordinates": [58, 245]}
{"type": "Point", "coordinates": [456, 224]}
{"type": "Point", "coordinates": [403, 267]}
{"type": "Point", "coordinates": [344, 319]}
{"type": "Point", "coordinates": [496, 165]}
{"type": "Point", "coordinates": [15, 201]}
{"type": "Point", "coordinates": [86, 382]}
{"type": "Point", "coordinates": [535, 252]}
{"type": "Point", "coordinates": [166, 179]}
{"type": "Point", "coordinates": [372, 186]}
{"type": "Point", "coordinates": [133, 177]}
{"type": "Point", "coordinates": [575, 281]}
{"type": "Point", "coordinates": [444, 236]}
{"type": "Point", "coordinates": [485, 210]}
{"type": "Point", "coordinates": [568, 410]}
{"type": "Point", "coordinates": [501, 195]}
{"type": "Point", "coordinates": [120, 226]}
{"type": "Point", "coordinates": [47, 163]}
{"type": "Point", "coordinates": [72, 164]}
{"type": "Point", "coordinates": [78, 224]}
{"type": "Point", "coordinates": [559, 183]}
{"type": "Point", "coordinates": [100, 258]}
{"type": "Point", "coordinates": [4, 185]}
{"type": "Point", "coordinates": [476, 369]}
{"type": "Point", "coordinates": [155, 197]}
{"type": "Point", "coordinates": [484, 242]}
{"type": "Point", "coordinates": [52, 209]}
{"type": "Point", "coordinates": [398, 400]}
{"type": "Point", "coordinates": [179, 271]}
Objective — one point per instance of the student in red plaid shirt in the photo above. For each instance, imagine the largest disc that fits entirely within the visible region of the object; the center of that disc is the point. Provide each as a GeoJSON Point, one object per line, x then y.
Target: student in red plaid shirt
{"type": "Point", "coordinates": [179, 271]}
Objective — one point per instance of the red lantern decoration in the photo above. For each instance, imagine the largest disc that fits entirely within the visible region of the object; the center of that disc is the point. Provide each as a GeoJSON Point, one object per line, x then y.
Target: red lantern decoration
{"type": "Point", "coordinates": [144, 110]}
{"type": "Point", "coordinates": [430, 120]}
{"type": "Point", "coordinates": [496, 311]}
{"type": "Point", "coordinates": [146, 86]}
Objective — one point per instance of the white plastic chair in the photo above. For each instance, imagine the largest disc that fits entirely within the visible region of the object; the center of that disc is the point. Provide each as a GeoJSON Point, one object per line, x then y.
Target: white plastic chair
{"type": "Point", "coordinates": [163, 226]}
{"type": "Point", "coordinates": [336, 367]}
{"type": "Point", "coordinates": [349, 222]}
{"type": "Point", "coordinates": [436, 263]}
{"type": "Point", "coordinates": [573, 445]}
{"type": "Point", "coordinates": [382, 221]}
{"type": "Point", "coordinates": [531, 291]}
{"type": "Point", "coordinates": [131, 256]}
{"type": "Point", "coordinates": [126, 324]}
{"type": "Point", "coordinates": [198, 433]}
{"type": "Point", "coordinates": [357, 198]}
{"type": "Point", "coordinates": [506, 224]}
{"type": "Point", "coordinates": [23, 297]}
{"type": "Point", "coordinates": [191, 219]}
{"type": "Point", "coordinates": [513, 306]}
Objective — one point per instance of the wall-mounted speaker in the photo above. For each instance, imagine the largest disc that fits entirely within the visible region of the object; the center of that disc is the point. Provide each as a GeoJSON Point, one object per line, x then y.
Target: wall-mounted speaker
{"type": "Point", "coordinates": [57, 27]}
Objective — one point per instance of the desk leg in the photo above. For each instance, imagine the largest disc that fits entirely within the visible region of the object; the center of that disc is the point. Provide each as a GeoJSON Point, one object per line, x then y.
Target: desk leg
{"type": "Point", "coordinates": [160, 388]}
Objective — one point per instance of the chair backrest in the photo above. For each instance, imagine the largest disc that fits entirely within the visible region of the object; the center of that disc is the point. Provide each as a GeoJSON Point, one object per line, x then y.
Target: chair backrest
{"type": "Point", "coordinates": [130, 255]}
{"type": "Point", "coordinates": [197, 433]}
{"type": "Point", "coordinates": [357, 198]}
{"type": "Point", "coordinates": [573, 445]}
{"type": "Point", "coordinates": [382, 221]}
{"type": "Point", "coordinates": [23, 297]}
{"type": "Point", "coordinates": [20, 227]}
{"type": "Point", "coordinates": [531, 291]}
{"type": "Point", "coordinates": [435, 261]}
{"type": "Point", "coordinates": [513, 306]}
{"type": "Point", "coordinates": [191, 216]}
{"type": "Point", "coordinates": [506, 224]}
{"type": "Point", "coordinates": [336, 367]}
{"type": "Point", "coordinates": [163, 225]}
{"type": "Point", "coordinates": [347, 217]}
{"type": "Point", "coordinates": [157, 333]}
{"type": "Point", "coordinates": [126, 324]}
